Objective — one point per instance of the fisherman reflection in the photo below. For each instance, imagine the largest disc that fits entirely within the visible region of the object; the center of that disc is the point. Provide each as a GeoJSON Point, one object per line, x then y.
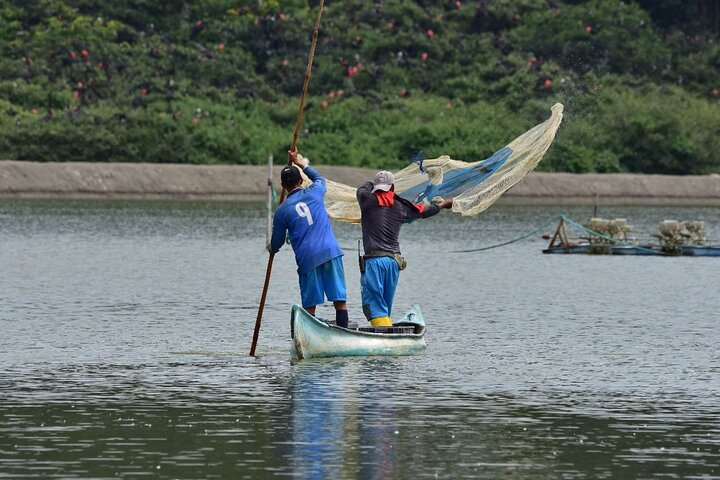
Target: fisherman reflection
{"type": "Point", "coordinates": [341, 429]}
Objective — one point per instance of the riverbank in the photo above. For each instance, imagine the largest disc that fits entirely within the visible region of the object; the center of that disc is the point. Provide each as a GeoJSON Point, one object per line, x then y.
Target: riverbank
{"type": "Point", "coordinates": [249, 183]}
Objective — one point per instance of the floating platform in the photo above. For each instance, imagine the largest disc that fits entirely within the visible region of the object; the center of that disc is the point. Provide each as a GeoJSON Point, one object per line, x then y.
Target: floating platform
{"type": "Point", "coordinates": [649, 250]}
{"type": "Point", "coordinates": [608, 237]}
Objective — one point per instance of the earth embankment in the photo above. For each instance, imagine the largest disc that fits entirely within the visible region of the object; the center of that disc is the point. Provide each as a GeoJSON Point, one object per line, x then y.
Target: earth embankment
{"type": "Point", "coordinates": [21, 179]}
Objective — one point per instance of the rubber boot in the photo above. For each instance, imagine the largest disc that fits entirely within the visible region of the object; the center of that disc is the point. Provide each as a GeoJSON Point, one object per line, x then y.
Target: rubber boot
{"type": "Point", "coordinates": [381, 322]}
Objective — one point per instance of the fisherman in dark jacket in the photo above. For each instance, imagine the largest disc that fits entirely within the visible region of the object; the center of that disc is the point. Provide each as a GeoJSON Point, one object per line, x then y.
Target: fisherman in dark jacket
{"type": "Point", "coordinates": [383, 213]}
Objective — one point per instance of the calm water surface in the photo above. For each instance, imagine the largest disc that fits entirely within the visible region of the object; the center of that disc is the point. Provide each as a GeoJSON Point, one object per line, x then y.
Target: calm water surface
{"type": "Point", "coordinates": [125, 327]}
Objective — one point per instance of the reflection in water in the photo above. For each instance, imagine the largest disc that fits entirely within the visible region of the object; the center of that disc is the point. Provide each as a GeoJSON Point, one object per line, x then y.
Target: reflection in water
{"type": "Point", "coordinates": [349, 418]}
{"type": "Point", "coordinates": [319, 418]}
{"type": "Point", "coordinates": [348, 424]}
{"type": "Point", "coordinates": [339, 430]}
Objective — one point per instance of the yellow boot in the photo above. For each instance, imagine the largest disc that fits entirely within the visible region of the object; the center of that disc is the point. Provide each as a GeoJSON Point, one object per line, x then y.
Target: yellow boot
{"type": "Point", "coordinates": [381, 322]}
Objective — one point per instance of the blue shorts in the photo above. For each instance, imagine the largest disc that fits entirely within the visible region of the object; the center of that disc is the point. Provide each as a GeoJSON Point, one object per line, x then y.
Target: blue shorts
{"type": "Point", "coordinates": [327, 279]}
{"type": "Point", "coordinates": [378, 285]}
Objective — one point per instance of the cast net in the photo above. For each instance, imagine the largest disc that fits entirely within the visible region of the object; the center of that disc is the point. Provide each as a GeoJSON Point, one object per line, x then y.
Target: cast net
{"type": "Point", "coordinates": [474, 185]}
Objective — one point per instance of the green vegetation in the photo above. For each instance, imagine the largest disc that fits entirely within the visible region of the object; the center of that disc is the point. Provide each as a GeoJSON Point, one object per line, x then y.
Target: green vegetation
{"type": "Point", "coordinates": [218, 81]}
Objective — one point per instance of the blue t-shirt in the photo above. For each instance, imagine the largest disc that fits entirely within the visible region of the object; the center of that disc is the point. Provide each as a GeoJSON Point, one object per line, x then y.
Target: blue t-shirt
{"type": "Point", "coordinates": [303, 215]}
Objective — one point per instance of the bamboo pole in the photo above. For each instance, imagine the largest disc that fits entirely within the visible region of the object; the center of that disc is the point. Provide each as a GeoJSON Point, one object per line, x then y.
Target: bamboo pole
{"type": "Point", "coordinates": [268, 231]}
{"type": "Point", "coordinates": [298, 124]}
{"type": "Point", "coordinates": [261, 307]}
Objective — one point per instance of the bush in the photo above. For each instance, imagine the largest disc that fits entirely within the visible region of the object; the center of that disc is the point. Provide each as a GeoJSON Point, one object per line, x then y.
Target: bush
{"type": "Point", "coordinates": [218, 81]}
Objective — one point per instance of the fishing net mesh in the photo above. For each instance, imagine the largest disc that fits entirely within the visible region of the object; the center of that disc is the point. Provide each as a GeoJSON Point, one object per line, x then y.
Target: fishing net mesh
{"type": "Point", "coordinates": [473, 185]}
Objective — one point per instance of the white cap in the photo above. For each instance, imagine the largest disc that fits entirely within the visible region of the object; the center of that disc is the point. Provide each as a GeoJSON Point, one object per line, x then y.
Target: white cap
{"type": "Point", "coordinates": [384, 180]}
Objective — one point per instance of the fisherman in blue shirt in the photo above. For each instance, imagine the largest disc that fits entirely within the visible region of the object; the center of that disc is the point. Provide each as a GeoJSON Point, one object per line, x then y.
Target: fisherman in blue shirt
{"type": "Point", "coordinates": [317, 253]}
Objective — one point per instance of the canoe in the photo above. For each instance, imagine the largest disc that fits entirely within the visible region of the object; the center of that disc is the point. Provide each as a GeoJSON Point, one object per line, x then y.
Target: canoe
{"type": "Point", "coordinates": [686, 232]}
{"type": "Point", "coordinates": [315, 338]}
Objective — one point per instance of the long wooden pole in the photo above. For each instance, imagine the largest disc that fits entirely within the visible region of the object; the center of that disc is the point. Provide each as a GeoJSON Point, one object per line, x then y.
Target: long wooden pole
{"type": "Point", "coordinates": [308, 71]}
{"type": "Point", "coordinates": [261, 307]}
{"type": "Point", "coordinates": [306, 82]}
{"type": "Point", "coordinates": [268, 231]}
{"type": "Point", "coordinates": [298, 123]}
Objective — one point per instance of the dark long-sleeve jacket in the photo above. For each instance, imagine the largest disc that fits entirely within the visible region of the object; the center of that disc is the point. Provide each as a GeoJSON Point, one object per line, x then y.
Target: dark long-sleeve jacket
{"type": "Point", "coordinates": [381, 224]}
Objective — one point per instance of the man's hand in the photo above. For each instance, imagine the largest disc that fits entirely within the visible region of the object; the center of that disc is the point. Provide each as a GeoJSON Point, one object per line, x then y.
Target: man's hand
{"type": "Point", "coordinates": [446, 203]}
{"type": "Point", "coordinates": [292, 156]}
{"type": "Point", "coordinates": [297, 159]}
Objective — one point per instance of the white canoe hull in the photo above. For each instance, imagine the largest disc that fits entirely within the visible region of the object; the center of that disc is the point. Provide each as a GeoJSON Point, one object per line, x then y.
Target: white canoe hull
{"type": "Point", "coordinates": [313, 338]}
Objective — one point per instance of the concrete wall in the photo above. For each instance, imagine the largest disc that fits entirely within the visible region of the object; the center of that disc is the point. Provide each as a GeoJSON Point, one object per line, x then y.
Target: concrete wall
{"type": "Point", "coordinates": [241, 182]}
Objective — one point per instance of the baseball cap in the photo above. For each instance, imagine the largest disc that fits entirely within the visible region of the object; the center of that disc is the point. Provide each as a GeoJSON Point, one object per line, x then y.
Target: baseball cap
{"type": "Point", "coordinates": [383, 181]}
{"type": "Point", "coordinates": [290, 175]}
